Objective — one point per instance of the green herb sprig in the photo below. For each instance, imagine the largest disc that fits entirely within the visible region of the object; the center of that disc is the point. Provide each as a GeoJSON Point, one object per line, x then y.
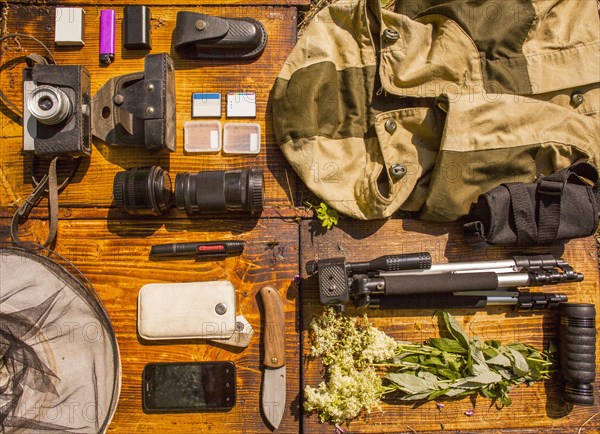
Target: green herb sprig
{"type": "Point", "coordinates": [327, 215]}
{"type": "Point", "coordinates": [460, 366]}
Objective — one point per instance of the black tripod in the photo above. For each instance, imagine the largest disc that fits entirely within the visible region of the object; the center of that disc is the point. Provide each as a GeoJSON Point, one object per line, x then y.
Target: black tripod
{"type": "Point", "coordinates": [410, 281]}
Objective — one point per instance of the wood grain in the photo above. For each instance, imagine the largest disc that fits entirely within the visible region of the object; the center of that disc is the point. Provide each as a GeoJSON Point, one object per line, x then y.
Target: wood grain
{"type": "Point", "coordinates": [274, 328]}
{"type": "Point", "coordinates": [111, 248]}
{"type": "Point", "coordinates": [539, 408]}
{"type": "Point", "coordinates": [93, 185]}
{"type": "Point", "coordinates": [115, 259]}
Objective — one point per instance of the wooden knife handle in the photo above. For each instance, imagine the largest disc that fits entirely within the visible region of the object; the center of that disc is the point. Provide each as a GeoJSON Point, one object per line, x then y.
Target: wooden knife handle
{"type": "Point", "coordinates": [274, 339]}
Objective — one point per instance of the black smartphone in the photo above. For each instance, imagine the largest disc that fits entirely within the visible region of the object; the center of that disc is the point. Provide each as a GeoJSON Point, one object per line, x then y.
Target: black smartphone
{"type": "Point", "coordinates": [188, 387]}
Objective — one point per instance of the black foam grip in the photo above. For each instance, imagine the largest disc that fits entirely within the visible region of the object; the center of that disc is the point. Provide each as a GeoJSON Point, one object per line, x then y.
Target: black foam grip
{"type": "Point", "coordinates": [439, 283]}
{"type": "Point", "coordinates": [410, 261]}
{"type": "Point", "coordinates": [578, 351]}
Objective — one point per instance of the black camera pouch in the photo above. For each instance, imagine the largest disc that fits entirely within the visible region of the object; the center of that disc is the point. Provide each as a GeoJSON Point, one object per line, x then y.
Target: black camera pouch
{"type": "Point", "coordinates": [201, 36]}
{"type": "Point", "coordinates": [555, 208]}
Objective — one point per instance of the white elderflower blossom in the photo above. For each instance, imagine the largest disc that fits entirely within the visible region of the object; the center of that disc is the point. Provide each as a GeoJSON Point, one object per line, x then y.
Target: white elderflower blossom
{"type": "Point", "coordinates": [346, 347]}
{"type": "Point", "coordinates": [345, 395]}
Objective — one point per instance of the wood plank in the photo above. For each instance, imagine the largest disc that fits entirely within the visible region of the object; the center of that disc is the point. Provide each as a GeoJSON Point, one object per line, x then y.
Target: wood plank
{"type": "Point", "coordinates": [178, 3]}
{"type": "Point", "coordinates": [93, 186]}
{"type": "Point", "coordinates": [538, 408]}
{"type": "Point", "coordinates": [115, 260]}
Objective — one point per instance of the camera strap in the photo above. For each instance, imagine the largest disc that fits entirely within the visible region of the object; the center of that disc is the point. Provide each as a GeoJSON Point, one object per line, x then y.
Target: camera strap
{"type": "Point", "coordinates": [47, 185]}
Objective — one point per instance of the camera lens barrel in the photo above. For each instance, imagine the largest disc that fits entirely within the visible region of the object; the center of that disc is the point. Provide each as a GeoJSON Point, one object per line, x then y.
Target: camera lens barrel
{"type": "Point", "coordinates": [49, 105]}
{"type": "Point", "coordinates": [219, 191]}
{"type": "Point", "coordinates": [578, 351]}
{"type": "Point", "coordinates": [143, 190]}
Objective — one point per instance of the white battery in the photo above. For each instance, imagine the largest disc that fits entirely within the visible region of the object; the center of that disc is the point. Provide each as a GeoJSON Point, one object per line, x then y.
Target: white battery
{"type": "Point", "coordinates": [241, 105]}
{"type": "Point", "coordinates": [69, 27]}
{"type": "Point", "coordinates": [206, 105]}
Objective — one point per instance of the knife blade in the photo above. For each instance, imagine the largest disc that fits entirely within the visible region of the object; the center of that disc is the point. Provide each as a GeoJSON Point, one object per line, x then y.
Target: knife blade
{"type": "Point", "coordinates": [273, 390]}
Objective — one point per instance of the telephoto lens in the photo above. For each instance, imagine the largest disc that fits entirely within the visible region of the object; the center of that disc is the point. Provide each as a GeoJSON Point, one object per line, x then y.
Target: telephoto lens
{"type": "Point", "coordinates": [219, 191]}
{"type": "Point", "coordinates": [143, 190]}
{"type": "Point", "coordinates": [578, 351]}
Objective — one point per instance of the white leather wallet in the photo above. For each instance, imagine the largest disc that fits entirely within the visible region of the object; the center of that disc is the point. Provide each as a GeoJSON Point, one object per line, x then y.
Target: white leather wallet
{"type": "Point", "coordinates": [195, 310]}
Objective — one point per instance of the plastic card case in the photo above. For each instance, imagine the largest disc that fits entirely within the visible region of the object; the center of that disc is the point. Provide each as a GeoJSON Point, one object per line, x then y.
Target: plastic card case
{"type": "Point", "coordinates": [202, 136]}
{"type": "Point", "coordinates": [241, 138]}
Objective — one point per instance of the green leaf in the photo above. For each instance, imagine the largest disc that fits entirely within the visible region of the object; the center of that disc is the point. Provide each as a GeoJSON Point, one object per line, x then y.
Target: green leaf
{"type": "Point", "coordinates": [500, 360]}
{"type": "Point", "coordinates": [479, 365]}
{"type": "Point", "coordinates": [448, 373]}
{"type": "Point", "coordinates": [433, 361]}
{"type": "Point", "coordinates": [445, 344]}
{"type": "Point", "coordinates": [429, 377]}
{"type": "Point", "coordinates": [407, 358]}
{"type": "Point", "coordinates": [411, 383]}
{"type": "Point", "coordinates": [328, 216]}
{"type": "Point", "coordinates": [520, 347]}
{"type": "Point", "coordinates": [477, 381]}
{"type": "Point", "coordinates": [520, 366]}
{"type": "Point", "coordinates": [415, 396]}
{"type": "Point", "coordinates": [452, 393]}
{"type": "Point", "coordinates": [490, 352]}
{"type": "Point", "coordinates": [505, 400]}
{"type": "Point", "coordinates": [493, 343]}
{"type": "Point", "coordinates": [455, 362]}
{"type": "Point", "coordinates": [457, 333]}
{"type": "Point", "coordinates": [489, 393]}
{"type": "Point", "coordinates": [437, 394]}
{"type": "Point", "coordinates": [504, 373]}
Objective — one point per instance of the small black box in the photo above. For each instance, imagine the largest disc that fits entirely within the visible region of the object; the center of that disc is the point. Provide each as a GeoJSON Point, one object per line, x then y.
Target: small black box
{"type": "Point", "coordinates": [137, 34]}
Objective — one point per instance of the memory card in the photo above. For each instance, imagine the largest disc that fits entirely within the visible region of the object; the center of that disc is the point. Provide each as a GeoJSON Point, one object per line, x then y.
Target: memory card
{"type": "Point", "coordinates": [206, 105]}
{"type": "Point", "coordinates": [241, 105]}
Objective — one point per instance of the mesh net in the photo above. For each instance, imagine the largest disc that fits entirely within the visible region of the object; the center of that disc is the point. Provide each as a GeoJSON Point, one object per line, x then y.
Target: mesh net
{"type": "Point", "coordinates": [59, 360]}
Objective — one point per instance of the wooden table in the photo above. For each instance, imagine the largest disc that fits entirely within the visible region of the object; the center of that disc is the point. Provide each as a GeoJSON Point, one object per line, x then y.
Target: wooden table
{"type": "Point", "coordinates": [111, 248]}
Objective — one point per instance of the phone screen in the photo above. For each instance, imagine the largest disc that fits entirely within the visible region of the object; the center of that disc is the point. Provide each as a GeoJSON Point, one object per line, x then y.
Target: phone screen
{"type": "Point", "coordinates": [190, 386]}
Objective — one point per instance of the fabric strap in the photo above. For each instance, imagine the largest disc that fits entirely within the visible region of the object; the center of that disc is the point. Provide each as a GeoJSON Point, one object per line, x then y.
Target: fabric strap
{"type": "Point", "coordinates": [550, 197]}
{"type": "Point", "coordinates": [47, 185]}
{"type": "Point", "coordinates": [523, 214]}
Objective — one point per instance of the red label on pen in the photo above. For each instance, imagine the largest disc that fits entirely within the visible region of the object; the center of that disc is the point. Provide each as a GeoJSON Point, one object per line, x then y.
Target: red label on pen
{"type": "Point", "coordinates": [214, 248]}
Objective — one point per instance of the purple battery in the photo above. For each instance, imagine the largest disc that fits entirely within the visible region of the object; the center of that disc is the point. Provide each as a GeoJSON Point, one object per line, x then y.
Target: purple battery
{"type": "Point", "coordinates": [107, 36]}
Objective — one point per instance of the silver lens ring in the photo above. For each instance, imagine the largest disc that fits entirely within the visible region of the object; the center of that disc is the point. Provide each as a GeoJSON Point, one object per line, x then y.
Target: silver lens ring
{"type": "Point", "coordinates": [49, 105]}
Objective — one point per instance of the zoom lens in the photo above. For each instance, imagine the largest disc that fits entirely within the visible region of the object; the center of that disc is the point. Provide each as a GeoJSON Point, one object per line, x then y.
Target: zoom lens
{"type": "Point", "coordinates": [219, 191]}
{"type": "Point", "coordinates": [143, 190]}
{"type": "Point", "coordinates": [49, 105]}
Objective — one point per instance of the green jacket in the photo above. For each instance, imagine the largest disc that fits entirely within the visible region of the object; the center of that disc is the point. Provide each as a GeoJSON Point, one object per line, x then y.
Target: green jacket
{"type": "Point", "coordinates": [424, 108]}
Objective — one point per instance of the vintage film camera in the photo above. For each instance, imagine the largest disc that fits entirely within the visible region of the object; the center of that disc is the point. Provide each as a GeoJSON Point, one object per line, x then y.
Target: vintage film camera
{"type": "Point", "coordinates": [56, 110]}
